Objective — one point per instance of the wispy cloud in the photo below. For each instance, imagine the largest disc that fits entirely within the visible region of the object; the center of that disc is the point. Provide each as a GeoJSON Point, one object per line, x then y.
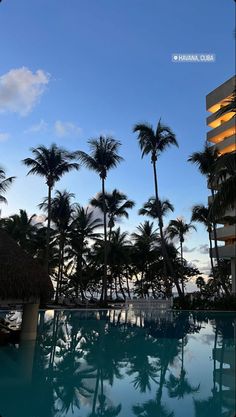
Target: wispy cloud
{"type": "Point", "coordinates": [104, 132]}
{"type": "Point", "coordinates": [188, 250]}
{"type": "Point", "coordinates": [20, 90]}
{"type": "Point", "coordinates": [59, 128]}
{"type": "Point", "coordinates": [4, 136]}
{"type": "Point", "coordinates": [42, 126]}
{"type": "Point", "coordinates": [64, 129]}
{"type": "Point", "coordinates": [204, 249]}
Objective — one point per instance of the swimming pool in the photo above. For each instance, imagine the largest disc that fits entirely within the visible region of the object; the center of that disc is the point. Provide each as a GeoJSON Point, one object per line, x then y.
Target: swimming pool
{"type": "Point", "coordinates": [112, 363]}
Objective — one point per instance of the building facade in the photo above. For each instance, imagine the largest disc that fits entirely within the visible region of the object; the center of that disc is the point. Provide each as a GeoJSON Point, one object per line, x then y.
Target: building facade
{"type": "Point", "coordinates": [222, 136]}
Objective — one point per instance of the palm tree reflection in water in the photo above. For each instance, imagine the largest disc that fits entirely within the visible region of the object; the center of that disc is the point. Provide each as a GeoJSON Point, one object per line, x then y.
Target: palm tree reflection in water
{"type": "Point", "coordinates": [81, 355]}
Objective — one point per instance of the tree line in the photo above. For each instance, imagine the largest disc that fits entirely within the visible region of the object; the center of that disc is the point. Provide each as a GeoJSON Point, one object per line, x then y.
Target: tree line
{"type": "Point", "coordinates": [83, 249]}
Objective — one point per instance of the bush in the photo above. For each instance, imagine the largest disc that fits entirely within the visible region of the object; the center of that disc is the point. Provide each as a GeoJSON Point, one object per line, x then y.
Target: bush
{"type": "Point", "coordinates": [200, 302]}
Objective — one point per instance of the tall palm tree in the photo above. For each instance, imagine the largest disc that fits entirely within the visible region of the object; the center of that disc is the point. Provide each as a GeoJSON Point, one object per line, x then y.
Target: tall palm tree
{"type": "Point", "coordinates": [152, 207]}
{"type": "Point", "coordinates": [200, 214]}
{"type": "Point", "coordinates": [4, 184]}
{"type": "Point", "coordinates": [154, 142]}
{"type": "Point", "coordinates": [61, 215]}
{"type": "Point", "coordinates": [51, 164]}
{"type": "Point", "coordinates": [84, 228]}
{"type": "Point", "coordinates": [117, 205]}
{"type": "Point", "coordinates": [178, 228]}
{"type": "Point", "coordinates": [103, 157]}
{"type": "Point", "coordinates": [205, 162]}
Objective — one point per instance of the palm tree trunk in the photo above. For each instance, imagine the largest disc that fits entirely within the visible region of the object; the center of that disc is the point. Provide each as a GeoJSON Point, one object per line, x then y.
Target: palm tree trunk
{"type": "Point", "coordinates": [59, 270]}
{"type": "Point", "coordinates": [48, 225]}
{"type": "Point", "coordinates": [211, 258]}
{"type": "Point", "coordinates": [121, 288]}
{"type": "Point", "coordinates": [95, 392]}
{"type": "Point", "coordinates": [116, 291]}
{"type": "Point", "coordinates": [62, 265]}
{"type": "Point", "coordinates": [79, 276]}
{"type": "Point", "coordinates": [166, 258]}
{"type": "Point", "coordinates": [214, 363]}
{"type": "Point", "coordinates": [128, 289]}
{"type": "Point", "coordinates": [216, 246]}
{"type": "Point", "coordinates": [182, 266]}
{"type": "Point", "coordinates": [110, 232]}
{"type": "Point", "coordinates": [54, 342]}
{"type": "Point", "coordinates": [104, 284]}
{"type": "Point", "coordinates": [214, 232]}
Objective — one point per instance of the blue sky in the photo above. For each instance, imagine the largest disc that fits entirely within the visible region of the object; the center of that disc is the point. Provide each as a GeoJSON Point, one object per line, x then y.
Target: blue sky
{"type": "Point", "coordinates": [73, 70]}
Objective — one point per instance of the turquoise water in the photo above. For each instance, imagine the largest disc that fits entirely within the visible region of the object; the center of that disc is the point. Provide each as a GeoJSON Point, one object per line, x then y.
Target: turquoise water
{"type": "Point", "coordinates": [119, 363]}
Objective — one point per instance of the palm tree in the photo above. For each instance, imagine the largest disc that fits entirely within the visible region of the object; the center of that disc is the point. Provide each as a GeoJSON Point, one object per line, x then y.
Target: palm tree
{"type": "Point", "coordinates": [118, 257]}
{"type": "Point", "coordinates": [4, 184]}
{"type": "Point", "coordinates": [200, 283]}
{"type": "Point", "coordinates": [180, 386]}
{"type": "Point", "coordinates": [178, 228]}
{"type": "Point", "coordinates": [61, 215]}
{"type": "Point", "coordinates": [117, 205]}
{"type": "Point", "coordinates": [200, 214]}
{"type": "Point", "coordinates": [103, 157]}
{"type": "Point", "coordinates": [22, 227]}
{"type": "Point", "coordinates": [152, 408]}
{"type": "Point", "coordinates": [225, 174]}
{"type": "Point", "coordinates": [84, 228]}
{"type": "Point", "coordinates": [152, 207]}
{"type": "Point", "coordinates": [145, 248]}
{"type": "Point", "coordinates": [205, 162]}
{"type": "Point", "coordinates": [51, 164]}
{"type": "Point", "coordinates": [154, 142]}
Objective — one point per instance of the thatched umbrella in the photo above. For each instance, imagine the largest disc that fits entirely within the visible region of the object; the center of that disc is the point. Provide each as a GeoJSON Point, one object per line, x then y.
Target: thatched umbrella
{"type": "Point", "coordinates": [22, 281]}
{"type": "Point", "coordinates": [22, 278]}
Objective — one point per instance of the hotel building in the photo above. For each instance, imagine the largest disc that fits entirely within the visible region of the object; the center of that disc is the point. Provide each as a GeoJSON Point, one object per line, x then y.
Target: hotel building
{"type": "Point", "coordinates": [222, 136]}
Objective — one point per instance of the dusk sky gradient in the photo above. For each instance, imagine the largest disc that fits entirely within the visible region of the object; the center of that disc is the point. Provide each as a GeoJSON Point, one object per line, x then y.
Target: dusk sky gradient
{"type": "Point", "coordinates": [104, 66]}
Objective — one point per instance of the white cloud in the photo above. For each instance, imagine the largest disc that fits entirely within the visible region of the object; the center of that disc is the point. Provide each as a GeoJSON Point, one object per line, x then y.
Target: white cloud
{"type": "Point", "coordinates": [63, 129]}
{"type": "Point", "coordinates": [4, 136]}
{"type": "Point", "coordinates": [20, 89]}
{"type": "Point", "coordinates": [39, 218]}
{"type": "Point", "coordinates": [38, 127]}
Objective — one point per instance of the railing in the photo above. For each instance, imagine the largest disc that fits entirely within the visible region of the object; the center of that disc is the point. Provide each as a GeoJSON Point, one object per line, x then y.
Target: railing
{"type": "Point", "coordinates": [150, 304]}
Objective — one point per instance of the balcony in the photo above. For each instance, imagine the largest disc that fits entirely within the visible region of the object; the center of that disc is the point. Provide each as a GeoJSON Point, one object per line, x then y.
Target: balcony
{"type": "Point", "coordinates": [226, 146]}
{"type": "Point", "coordinates": [221, 132]}
{"type": "Point", "coordinates": [228, 213]}
{"type": "Point", "coordinates": [227, 356]}
{"type": "Point", "coordinates": [225, 233]}
{"type": "Point", "coordinates": [227, 251]}
{"type": "Point", "coordinates": [217, 97]}
{"type": "Point", "coordinates": [226, 376]}
{"type": "Point", "coordinates": [214, 121]}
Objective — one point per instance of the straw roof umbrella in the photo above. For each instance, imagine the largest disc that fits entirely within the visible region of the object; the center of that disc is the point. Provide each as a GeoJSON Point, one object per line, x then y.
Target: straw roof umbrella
{"type": "Point", "coordinates": [22, 281]}
{"type": "Point", "coordinates": [22, 278]}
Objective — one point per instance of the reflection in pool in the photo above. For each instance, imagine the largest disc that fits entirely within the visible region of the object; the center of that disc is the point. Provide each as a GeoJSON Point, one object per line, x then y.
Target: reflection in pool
{"type": "Point", "coordinates": [122, 363]}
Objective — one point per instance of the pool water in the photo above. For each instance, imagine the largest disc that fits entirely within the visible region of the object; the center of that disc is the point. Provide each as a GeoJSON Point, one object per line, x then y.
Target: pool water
{"type": "Point", "coordinates": [112, 363]}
